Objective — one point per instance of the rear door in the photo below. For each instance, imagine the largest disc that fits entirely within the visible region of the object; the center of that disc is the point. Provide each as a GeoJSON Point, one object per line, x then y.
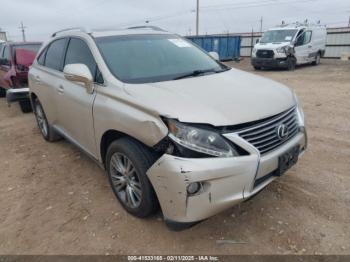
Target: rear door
{"type": "Point", "coordinates": [75, 103]}
{"type": "Point", "coordinates": [46, 78]}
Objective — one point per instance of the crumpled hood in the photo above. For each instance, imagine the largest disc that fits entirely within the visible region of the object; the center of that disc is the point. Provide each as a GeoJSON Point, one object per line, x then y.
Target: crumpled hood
{"type": "Point", "coordinates": [227, 98]}
{"type": "Point", "coordinates": [271, 46]}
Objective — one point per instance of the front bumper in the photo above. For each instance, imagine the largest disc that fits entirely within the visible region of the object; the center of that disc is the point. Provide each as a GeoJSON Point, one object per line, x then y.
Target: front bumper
{"type": "Point", "coordinates": [17, 94]}
{"type": "Point", "coordinates": [269, 62]}
{"type": "Point", "coordinates": [225, 181]}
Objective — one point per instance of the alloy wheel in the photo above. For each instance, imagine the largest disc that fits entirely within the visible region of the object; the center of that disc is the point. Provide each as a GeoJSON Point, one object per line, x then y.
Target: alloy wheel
{"type": "Point", "coordinates": [125, 180]}
{"type": "Point", "coordinates": [41, 120]}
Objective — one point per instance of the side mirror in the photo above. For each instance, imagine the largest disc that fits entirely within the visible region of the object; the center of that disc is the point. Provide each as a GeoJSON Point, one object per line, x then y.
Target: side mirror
{"type": "Point", "coordinates": [257, 40]}
{"type": "Point", "coordinates": [214, 55]}
{"type": "Point", "coordinates": [79, 73]}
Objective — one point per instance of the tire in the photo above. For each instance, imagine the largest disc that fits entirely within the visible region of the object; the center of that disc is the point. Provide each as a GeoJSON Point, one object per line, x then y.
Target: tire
{"type": "Point", "coordinates": [25, 106]}
{"type": "Point", "coordinates": [257, 67]}
{"type": "Point", "coordinates": [291, 62]}
{"type": "Point", "coordinates": [131, 186]}
{"type": "Point", "coordinates": [2, 92]}
{"type": "Point", "coordinates": [317, 60]}
{"type": "Point", "coordinates": [45, 128]}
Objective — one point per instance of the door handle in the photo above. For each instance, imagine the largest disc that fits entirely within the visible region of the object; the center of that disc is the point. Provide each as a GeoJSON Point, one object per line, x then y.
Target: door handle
{"type": "Point", "coordinates": [60, 89]}
{"type": "Point", "coordinates": [309, 46]}
{"type": "Point", "coordinates": [37, 79]}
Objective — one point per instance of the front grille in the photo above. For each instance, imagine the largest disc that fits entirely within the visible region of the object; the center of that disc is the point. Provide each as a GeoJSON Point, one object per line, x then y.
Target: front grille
{"type": "Point", "coordinates": [265, 53]}
{"type": "Point", "coordinates": [264, 135]}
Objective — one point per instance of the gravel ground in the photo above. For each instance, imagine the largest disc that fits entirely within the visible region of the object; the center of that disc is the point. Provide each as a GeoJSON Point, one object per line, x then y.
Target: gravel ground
{"type": "Point", "coordinates": [55, 200]}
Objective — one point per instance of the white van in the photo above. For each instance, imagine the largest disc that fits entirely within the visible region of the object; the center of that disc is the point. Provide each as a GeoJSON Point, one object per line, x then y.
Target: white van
{"type": "Point", "coordinates": [289, 45]}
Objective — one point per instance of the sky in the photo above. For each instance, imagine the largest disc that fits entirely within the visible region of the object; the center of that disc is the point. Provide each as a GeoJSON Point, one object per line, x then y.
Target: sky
{"type": "Point", "coordinates": [43, 17]}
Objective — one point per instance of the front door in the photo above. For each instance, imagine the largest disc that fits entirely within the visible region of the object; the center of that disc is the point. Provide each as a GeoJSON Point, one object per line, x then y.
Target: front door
{"type": "Point", "coordinates": [74, 102]}
{"type": "Point", "coordinates": [303, 47]}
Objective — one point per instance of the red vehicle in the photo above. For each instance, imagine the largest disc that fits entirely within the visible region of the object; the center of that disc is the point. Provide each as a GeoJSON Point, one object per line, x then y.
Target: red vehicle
{"type": "Point", "coordinates": [15, 59]}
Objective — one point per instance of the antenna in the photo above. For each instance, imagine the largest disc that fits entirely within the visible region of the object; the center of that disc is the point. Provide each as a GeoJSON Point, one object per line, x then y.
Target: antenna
{"type": "Point", "coordinates": [22, 27]}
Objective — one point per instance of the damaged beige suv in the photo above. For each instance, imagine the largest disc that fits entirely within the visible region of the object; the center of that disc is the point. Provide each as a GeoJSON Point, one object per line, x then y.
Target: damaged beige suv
{"type": "Point", "coordinates": [171, 125]}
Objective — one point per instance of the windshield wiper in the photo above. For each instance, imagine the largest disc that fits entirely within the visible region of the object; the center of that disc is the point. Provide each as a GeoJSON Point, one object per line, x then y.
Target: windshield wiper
{"type": "Point", "coordinates": [197, 73]}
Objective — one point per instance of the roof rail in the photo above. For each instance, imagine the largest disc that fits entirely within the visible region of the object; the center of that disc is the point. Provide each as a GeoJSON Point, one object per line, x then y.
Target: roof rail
{"type": "Point", "coordinates": [156, 28]}
{"type": "Point", "coordinates": [81, 29]}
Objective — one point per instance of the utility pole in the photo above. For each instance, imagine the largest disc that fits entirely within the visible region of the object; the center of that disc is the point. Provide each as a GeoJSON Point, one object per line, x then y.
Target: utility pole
{"type": "Point", "coordinates": [197, 18]}
{"type": "Point", "coordinates": [22, 27]}
{"type": "Point", "coordinates": [261, 24]}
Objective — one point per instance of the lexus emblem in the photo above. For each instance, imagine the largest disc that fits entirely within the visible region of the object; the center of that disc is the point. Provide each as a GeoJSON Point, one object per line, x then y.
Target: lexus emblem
{"type": "Point", "coordinates": [282, 131]}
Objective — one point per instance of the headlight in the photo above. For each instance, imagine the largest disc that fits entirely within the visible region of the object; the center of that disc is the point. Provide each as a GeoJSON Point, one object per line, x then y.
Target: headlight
{"type": "Point", "coordinates": [200, 140]}
{"type": "Point", "coordinates": [282, 49]}
{"type": "Point", "coordinates": [254, 51]}
{"type": "Point", "coordinates": [300, 112]}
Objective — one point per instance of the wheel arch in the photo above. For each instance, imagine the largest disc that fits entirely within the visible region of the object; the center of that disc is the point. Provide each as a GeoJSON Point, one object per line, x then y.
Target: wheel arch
{"type": "Point", "coordinates": [32, 98]}
{"type": "Point", "coordinates": [110, 136]}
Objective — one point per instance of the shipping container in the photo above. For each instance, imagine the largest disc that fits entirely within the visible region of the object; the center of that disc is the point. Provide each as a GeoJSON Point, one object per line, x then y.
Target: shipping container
{"type": "Point", "coordinates": [228, 47]}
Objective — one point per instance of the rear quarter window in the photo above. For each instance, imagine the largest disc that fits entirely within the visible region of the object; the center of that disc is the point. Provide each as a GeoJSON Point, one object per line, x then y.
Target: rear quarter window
{"type": "Point", "coordinates": [55, 54]}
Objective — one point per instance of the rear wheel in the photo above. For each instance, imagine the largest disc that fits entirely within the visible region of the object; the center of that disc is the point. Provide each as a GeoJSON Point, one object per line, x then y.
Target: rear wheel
{"type": "Point", "coordinates": [127, 162]}
{"type": "Point", "coordinates": [46, 129]}
{"type": "Point", "coordinates": [2, 92]}
{"type": "Point", "coordinates": [25, 106]}
{"type": "Point", "coordinates": [317, 59]}
{"type": "Point", "coordinates": [257, 67]}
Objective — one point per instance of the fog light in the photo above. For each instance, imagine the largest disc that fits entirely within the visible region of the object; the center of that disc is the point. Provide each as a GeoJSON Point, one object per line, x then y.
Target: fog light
{"type": "Point", "coordinates": [193, 188]}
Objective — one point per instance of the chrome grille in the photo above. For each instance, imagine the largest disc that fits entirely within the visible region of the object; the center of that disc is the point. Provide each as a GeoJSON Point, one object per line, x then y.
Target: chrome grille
{"type": "Point", "coordinates": [264, 136]}
{"type": "Point", "coordinates": [265, 54]}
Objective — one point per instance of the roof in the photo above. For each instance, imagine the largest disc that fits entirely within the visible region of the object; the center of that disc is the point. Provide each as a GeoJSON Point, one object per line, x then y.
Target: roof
{"type": "Point", "coordinates": [112, 32]}
{"type": "Point", "coordinates": [23, 43]}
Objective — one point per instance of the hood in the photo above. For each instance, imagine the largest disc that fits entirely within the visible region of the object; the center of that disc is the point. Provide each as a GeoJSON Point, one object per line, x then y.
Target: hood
{"type": "Point", "coordinates": [228, 98]}
{"type": "Point", "coordinates": [25, 57]}
{"type": "Point", "coordinates": [271, 46]}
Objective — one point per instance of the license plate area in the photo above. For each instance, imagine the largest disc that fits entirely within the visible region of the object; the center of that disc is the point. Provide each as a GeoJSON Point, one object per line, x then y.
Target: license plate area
{"type": "Point", "coordinates": [287, 160]}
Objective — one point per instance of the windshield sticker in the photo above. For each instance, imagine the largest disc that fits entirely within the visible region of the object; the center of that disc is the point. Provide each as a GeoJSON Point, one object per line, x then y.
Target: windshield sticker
{"type": "Point", "coordinates": [288, 38]}
{"type": "Point", "coordinates": [179, 43]}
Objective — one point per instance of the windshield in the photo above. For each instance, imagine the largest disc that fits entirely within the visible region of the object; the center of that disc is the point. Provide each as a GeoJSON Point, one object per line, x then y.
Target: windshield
{"type": "Point", "coordinates": [153, 58]}
{"type": "Point", "coordinates": [275, 36]}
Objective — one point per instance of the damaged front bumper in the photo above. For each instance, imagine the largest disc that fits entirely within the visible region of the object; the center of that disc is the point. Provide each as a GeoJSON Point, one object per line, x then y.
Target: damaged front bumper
{"type": "Point", "coordinates": [224, 181]}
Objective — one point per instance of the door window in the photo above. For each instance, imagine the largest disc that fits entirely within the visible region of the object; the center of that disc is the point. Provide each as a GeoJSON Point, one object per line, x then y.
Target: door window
{"type": "Point", "coordinates": [54, 54]}
{"type": "Point", "coordinates": [41, 58]}
{"type": "Point", "coordinates": [300, 38]}
{"type": "Point", "coordinates": [78, 52]}
{"type": "Point", "coordinates": [307, 37]}
{"type": "Point", "coordinates": [6, 56]}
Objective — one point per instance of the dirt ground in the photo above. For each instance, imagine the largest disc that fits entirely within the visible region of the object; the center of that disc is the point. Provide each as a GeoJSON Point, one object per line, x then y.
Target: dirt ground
{"type": "Point", "coordinates": [55, 200]}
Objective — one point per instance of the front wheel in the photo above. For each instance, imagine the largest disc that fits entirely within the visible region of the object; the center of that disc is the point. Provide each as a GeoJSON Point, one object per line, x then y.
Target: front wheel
{"type": "Point", "coordinates": [127, 162]}
{"type": "Point", "coordinates": [291, 62]}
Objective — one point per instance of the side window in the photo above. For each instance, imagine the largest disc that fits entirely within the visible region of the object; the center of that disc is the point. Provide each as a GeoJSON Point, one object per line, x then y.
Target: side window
{"type": "Point", "coordinates": [6, 55]}
{"type": "Point", "coordinates": [78, 52]}
{"type": "Point", "coordinates": [307, 37]}
{"type": "Point", "coordinates": [300, 38]}
{"type": "Point", "coordinates": [55, 53]}
{"type": "Point", "coordinates": [41, 58]}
